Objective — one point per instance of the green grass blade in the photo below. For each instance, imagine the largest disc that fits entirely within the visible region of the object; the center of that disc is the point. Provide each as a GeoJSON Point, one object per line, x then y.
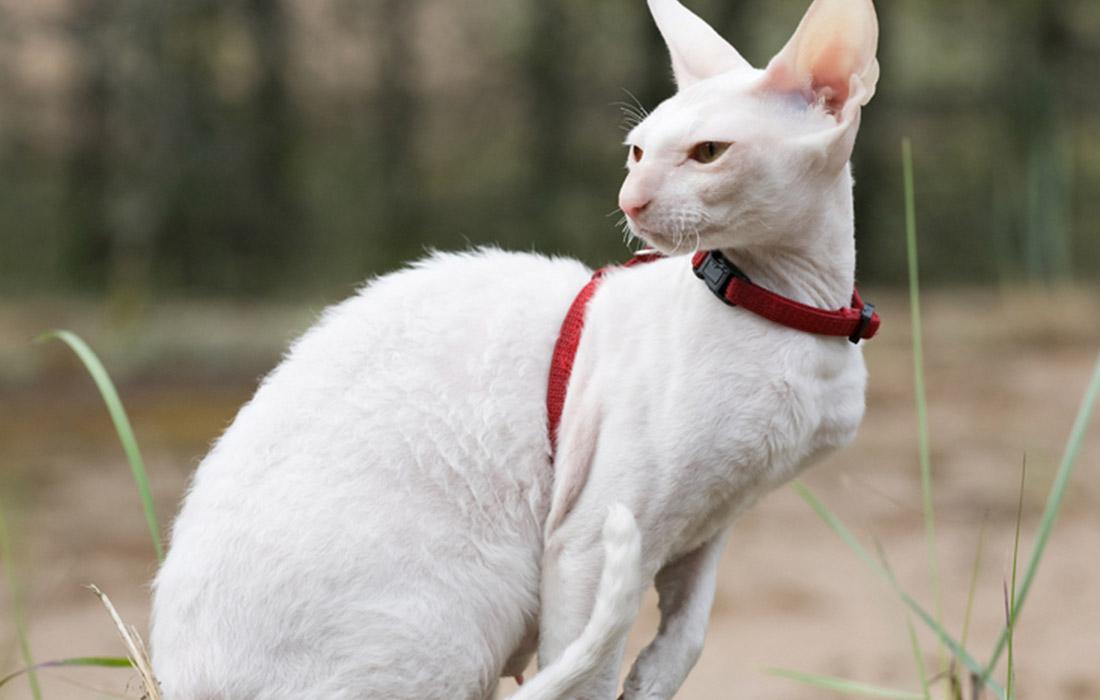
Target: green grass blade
{"type": "Point", "coordinates": [839, 528]}
{"type": "Point", "coordinates": [918, 657]}
{"type": "Point", "coordinates": [918, 377]}
{"type": "Point", "coordinates": [973, 584]}
{"type": "Point", "coordinates": [98, 661]}
{"type": "Point", "coordinates": [860, 551]}
{"type": "Point", "coordinates": [1010, 683]}
{"type": "Point", "coordinates": [842, 685]}
{"type": "Point", "coordinates": [122, 426]}
{"type": "Point", "coordinates": [17, 607]}
{"type": "Point", "coordinates": [1054, 505]}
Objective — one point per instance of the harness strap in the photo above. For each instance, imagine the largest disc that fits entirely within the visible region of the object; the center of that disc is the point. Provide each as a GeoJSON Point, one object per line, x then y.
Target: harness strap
{"type": "Point", "coordinates": [565, 349]}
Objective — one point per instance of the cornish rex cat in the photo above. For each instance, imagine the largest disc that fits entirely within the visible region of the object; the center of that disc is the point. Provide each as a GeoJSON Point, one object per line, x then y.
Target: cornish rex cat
{"type": "Point", "coordinates": [383, 519]}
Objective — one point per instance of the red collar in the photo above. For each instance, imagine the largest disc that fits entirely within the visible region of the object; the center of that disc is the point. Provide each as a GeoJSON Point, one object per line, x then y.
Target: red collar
{"type": "Point", "coordinates": [857, 322]}
{"type": "Point", "coordinates": [733, 287]}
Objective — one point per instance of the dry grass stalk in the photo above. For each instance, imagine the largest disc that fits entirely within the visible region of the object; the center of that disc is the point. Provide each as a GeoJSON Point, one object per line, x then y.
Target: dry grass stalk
{"type": "Point", "coordinates": [135, 647]}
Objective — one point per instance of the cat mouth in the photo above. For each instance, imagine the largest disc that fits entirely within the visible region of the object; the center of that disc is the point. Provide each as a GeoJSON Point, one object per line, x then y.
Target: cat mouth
{"type": "Point", "coordinates": [648, 235]}
{"type": "Point", "coordinates": [667, 243]}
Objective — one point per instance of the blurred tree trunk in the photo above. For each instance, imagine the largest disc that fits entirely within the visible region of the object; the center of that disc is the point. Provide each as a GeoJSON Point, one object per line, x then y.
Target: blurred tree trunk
{"type": "Point", "coordinates": [1035, 117]}
{"type": "Point", "coordinates": [396, 107]}
{"type": "Point", "coordinates": [89, 250]}
{"type": "Point", "coordinates": [109, 206]}
{"type": "Point", "coordinates": [732, 19]}
{"type": "Point", "coordinates": [194, 248]}
{"type": "Point", "coordinates": [276, 232]}
{"type": "Point", "coordinates": [551, 109]}
{"type": "Point", "coordinates": [226, 215]}
{"type": "Point", "coordinates": [1048, 154]}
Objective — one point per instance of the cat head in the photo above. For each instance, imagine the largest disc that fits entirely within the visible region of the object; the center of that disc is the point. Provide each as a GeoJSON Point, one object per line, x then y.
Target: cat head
{"type": "Point", "coordinates": [740, 156]}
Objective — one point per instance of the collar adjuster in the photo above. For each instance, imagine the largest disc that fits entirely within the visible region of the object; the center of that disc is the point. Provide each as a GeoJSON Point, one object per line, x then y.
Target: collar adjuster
{"type": "Point", "coordinates": [717, 272]}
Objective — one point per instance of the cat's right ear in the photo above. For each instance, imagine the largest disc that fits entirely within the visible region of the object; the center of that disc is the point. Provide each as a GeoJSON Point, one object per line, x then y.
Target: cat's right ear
{"type": "Point", "coordinates": [698, 52]}
{"type": "Point", "coordinates": [830, 61]}
{"type": "Point", "coordinates": [831, 57]}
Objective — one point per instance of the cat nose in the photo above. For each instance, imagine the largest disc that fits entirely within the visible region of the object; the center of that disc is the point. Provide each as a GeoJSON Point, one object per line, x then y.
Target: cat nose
{"type": "Point", "coordinates": [633, 208]}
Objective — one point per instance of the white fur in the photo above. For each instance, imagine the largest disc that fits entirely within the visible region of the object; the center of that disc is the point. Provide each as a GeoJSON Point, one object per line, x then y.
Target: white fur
{"type": "Point", "coordinates": [382, 519]}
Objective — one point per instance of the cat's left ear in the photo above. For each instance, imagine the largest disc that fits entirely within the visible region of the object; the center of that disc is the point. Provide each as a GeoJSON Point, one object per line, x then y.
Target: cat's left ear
{"type": "Point", "coordinates": [831, 61]}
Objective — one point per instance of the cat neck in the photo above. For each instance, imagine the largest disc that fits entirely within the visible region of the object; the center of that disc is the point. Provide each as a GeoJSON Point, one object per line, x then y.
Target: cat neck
{"type": "Point", "coordinates": [815, 264]}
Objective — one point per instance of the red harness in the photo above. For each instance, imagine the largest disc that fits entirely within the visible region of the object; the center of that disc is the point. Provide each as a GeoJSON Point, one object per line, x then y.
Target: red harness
{"type": "Point", "coordinates": [731, 285]}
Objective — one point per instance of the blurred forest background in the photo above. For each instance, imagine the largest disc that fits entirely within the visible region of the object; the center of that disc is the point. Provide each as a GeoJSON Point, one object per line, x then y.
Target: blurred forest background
{"type": "Point", "coordinates": [186, 183]}
{"type": "Point", "coordinates": [257, 148]}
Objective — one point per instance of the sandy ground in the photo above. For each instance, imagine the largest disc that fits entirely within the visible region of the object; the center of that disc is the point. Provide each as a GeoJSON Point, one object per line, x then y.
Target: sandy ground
{"type": "Point", "coordinates": [1005, 376]}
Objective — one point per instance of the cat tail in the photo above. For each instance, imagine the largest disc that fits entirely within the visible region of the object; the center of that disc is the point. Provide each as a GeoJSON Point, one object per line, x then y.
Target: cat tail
{"type": "Point", "coordinates": [617, 600]}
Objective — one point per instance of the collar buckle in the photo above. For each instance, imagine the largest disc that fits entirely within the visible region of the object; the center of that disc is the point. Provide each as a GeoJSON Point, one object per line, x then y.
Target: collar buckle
{"type": "Point", "coordinates": [866, 315]}
{"type": "Point", "coordinates": [717, 272]}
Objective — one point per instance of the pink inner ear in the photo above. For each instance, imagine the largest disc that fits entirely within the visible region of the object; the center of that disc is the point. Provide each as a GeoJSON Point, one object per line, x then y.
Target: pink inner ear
{"type": "Point", "coordinates": [831, 79]}
{"type": "Point", "coordinates": [835, 42]}
{"type": "Point", "coordinates": [824, 78]}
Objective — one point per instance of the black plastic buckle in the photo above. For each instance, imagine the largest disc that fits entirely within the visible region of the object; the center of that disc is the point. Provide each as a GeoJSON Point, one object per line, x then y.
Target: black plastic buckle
{"type": "Point", "coordinates": [717, 271]}
{"type": "Point", "coordinates": [865, 318]}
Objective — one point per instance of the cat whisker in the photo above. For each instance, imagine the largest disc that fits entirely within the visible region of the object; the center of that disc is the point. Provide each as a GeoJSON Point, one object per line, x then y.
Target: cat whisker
{"type": "Point", "coordinates": [632, 115]}
{"type": "Point", "coordinates": [631, 111]}
{"type": "Point", "coordinates": [637, 103]}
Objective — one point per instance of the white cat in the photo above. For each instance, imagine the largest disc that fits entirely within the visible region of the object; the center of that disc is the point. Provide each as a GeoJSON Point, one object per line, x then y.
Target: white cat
{"type": "Point", "coordinates": [383, 519]}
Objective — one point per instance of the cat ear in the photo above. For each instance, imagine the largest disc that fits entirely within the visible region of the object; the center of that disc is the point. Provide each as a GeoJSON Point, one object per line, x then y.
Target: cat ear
{"type": "Point", "coordinates": [698, 52]}
{"type": "Point", "coordinates": [831, 57]}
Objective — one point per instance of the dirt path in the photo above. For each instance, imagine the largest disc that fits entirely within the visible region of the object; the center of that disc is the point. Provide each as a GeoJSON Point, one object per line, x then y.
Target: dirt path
{"type": "Point", "coordinates": [791, 594]}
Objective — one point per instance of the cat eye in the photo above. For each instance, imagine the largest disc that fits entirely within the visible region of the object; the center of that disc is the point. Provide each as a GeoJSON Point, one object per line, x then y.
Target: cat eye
{"type": "Point", "coordinates": [709, 151]}
{"type": "Point", "coordinates": [636, 152]}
